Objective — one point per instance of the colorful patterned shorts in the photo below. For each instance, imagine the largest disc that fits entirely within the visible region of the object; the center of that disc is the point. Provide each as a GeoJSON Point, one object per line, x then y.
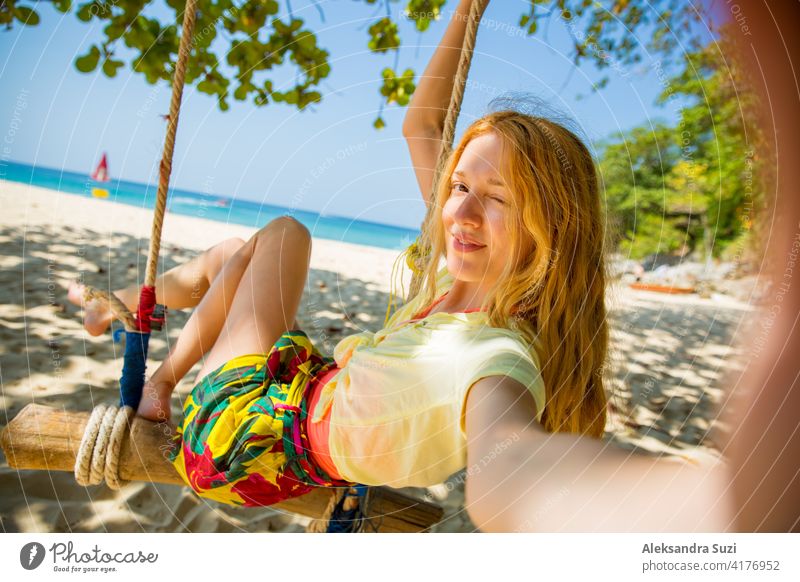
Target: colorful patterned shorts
{"type": "Point", "coordinates": [242, 440]}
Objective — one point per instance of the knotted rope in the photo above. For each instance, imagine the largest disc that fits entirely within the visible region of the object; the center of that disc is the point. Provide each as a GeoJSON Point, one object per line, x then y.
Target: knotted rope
{"type": "Point", "coordinates": [98, 454]}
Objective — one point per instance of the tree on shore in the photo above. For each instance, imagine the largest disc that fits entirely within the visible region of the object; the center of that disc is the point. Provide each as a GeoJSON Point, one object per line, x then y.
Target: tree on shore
{"type": "Point", "coordinates": [695, 187]}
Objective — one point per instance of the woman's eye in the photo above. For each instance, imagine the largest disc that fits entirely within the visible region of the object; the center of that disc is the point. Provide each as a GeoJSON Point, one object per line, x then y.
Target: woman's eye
{"type": "Point", "coordinates": [461, 187]}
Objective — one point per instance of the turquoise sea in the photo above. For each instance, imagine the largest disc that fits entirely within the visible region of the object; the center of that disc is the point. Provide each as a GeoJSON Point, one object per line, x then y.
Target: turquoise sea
{"type": "Point", "coordinates": [213, 207]}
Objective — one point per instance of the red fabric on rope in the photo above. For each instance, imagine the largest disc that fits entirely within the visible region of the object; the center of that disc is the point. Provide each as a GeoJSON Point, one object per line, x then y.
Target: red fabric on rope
{"type": "Point", "coordinates": [147, 304]}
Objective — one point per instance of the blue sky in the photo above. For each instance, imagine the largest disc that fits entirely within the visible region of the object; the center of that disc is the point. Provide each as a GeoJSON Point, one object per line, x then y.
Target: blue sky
{"type": "Point", "coordinates": [327, 158]}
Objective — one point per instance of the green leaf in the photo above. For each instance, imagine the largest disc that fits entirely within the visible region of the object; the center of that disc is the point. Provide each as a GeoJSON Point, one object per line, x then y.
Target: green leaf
{"type": "Point", "coordinates": [309, 98]}
{"type": "Point", "coordinates": [88, 62]}
{"type": "Point", "coordinates": [208, 86]}
{"type": "Point", "coordinates": [423, 12]}
{"type": "Point", "coordinates": [240, 94]}
{"type": "Point", "coordinates": [62, 5]}
{"type": "Point", "coordinates": [114, 30]}
{"type": "Point", "coordinates": [110, 67]}
{"type": "Point", "coordinates": [84, 13]}
{"type": "Point", "coordinates": [26, 16]}
{"type": "Point", "coordinates": [291, 97]}
{"type": "Point", "coordinates": [261, 98]}
{"type": "Point", "coordinates": [379, 123]}
{"type": "Point", "coordinates": [383, 36]}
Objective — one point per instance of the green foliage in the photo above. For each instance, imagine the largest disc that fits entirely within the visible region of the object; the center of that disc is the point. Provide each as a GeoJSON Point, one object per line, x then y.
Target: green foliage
{"type": "Point", "coordinates": [62, 5]}
{"type": "Point", "coordinates": [398, 89]}
{"type": "Point", "coordinates": [26, 15]}
{"type": "Point", "coordinates": [384, 36]}
{"type": "Point", "coordinates": [251, 38]}
{"type": "Point", "coordinates": [695, 186]}
{"type": "Point", "coordinates": [633, 169]}
{"type": "Point", "coordinates": [609, 34]}
{"type": "Point", "coordinates": [10, 11]}
{"type": "Point", "coordinates": [88, 62]}
{"type": "Point", "coordinates": [423, 12]}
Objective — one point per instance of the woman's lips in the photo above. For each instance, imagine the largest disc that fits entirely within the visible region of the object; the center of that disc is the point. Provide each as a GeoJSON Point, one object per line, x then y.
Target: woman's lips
{"type": "Point", "coordinates": [466, 247]}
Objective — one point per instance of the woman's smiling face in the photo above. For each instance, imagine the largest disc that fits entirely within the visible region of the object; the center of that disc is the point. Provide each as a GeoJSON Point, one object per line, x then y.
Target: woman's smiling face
{"type": "Point", "coordinates": [474, 215]}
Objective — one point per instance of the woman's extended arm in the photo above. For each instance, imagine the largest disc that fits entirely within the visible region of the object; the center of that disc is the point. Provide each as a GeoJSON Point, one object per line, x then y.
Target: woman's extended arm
{"type": "Point", "coordinates": [521, 478]}
{"type": "Point", "coordinates": [551, 482]}
{"type": "Point", "coordinates": [424, 120]}
{"type": "Point", "coordinates": [764, 447]}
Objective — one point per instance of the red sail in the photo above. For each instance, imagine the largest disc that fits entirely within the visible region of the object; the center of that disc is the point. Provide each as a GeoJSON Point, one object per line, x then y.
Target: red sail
{"type": "Point", "coordinates": [100, 173]}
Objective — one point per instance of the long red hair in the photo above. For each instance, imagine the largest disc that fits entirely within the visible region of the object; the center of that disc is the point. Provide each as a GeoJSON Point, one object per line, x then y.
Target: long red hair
{"type": "Point", "coordinates": [553, 291]}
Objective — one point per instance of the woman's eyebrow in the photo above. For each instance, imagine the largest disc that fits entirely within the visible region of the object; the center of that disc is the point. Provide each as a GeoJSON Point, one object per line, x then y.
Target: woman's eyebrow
{"type": "Point", "coordinates": [493, 181]}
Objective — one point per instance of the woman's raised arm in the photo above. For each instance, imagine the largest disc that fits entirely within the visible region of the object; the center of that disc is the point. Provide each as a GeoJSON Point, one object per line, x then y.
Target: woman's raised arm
{"type": "Point", "coordinates": [424, 120]}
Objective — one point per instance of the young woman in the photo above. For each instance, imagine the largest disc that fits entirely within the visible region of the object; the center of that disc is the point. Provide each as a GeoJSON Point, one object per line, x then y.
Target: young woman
{"type": "Point", "coordinates": [504, 347]}
{"type": "Point", "coordinates": [515, 320]}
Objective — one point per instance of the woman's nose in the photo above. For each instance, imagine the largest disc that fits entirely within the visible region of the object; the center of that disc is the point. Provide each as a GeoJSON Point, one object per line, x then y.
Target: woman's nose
{"type": "Point", "coordinates": [470, 210]}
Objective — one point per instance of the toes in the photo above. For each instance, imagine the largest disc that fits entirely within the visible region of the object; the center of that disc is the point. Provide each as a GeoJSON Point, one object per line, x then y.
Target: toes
{"type": "Point", "coordinates": [75, 293]}
{"type": "Point", "coordinates": [96, 320]}
{"type": "Point", "coordinates": [96, 316]}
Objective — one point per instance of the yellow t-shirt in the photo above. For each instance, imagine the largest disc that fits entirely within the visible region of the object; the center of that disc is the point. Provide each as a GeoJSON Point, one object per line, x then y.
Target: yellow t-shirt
{"type": "Point", "coordinates": [398, 401]}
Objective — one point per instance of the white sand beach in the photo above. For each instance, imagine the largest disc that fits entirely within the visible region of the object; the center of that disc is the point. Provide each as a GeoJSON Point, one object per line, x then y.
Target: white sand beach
{"type": "Point", "coordinates": [670, 355]}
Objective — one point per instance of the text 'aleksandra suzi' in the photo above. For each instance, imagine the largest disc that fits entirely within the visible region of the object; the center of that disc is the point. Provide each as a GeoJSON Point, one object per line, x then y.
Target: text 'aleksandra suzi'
{"type": "Point", "coordinates": [694, 548]}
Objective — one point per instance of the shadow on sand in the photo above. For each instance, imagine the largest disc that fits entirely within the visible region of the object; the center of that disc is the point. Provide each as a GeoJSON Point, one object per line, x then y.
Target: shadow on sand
{"type": "Point", "coordinates": [668, 362]}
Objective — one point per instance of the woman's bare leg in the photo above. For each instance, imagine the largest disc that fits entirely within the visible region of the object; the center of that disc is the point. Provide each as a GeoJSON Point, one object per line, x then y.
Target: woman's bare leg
{"type": "Point", "coordinates": [180, 287]}
{"type": "Point", "coordinates": [253, 300]}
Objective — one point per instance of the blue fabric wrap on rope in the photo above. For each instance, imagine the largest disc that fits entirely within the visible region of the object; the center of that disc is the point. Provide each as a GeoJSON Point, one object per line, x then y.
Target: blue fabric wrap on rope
{"type": "Point", "coordinates": [133, 369]}
{"type": "Point", "coordinates": [348, 521]}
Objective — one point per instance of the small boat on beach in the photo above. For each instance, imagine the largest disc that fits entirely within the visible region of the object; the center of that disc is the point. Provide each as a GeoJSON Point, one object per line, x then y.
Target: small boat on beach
{"type": "Point", "coordinates": [662, 288]}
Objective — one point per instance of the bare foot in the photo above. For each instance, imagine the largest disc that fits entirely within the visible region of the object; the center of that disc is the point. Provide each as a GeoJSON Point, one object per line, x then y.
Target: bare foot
{"type": "Point", "coordinates": [96, 315]}
{"type": "Point", "coordinates": [155, 403]}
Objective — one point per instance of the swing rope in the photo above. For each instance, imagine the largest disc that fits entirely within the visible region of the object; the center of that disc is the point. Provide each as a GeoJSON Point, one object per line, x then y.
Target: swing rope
{"type": "Point", "coordinates": [418, 254]}
{"type": "Point", "coordinates": [165, 170]}
{"type": "Point", "coordinates": [98, 454]}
